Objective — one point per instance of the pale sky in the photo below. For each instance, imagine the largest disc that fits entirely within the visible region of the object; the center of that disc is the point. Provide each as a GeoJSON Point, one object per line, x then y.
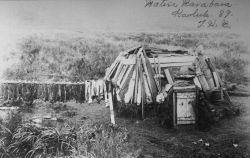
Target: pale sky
{"type": "Point", "coordinates": [107, 15]}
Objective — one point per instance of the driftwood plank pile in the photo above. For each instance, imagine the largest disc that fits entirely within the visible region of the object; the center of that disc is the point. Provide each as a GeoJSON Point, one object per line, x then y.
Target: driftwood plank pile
{"type": "Point", "coordinates": [144, 75]}
{"type": "Point", "coordinates": [134, 78]}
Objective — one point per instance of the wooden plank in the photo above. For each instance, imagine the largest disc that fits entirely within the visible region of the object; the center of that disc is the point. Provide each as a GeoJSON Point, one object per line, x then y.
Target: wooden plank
{"type": "Point", "coordinates": [136, 82]}
{"type": "Point", "coordinates": [148, 79]}
{"type": "Point", "coordinates": [139, 91]}
{"type": "Point", "coordinates": [129, 94]}
{"type": "Point", "coordinates": [147, 90]}
{"type": "Point", "coordinates": [155, 67]}
{"type": "Point", "coordinates": [216, 80]}
{"type": "Point", "coordinates": [169, 77]}
{"type": "Point", "coordinates": [131, 49]}
{"type": "Point", "coordinates": [181, 59]}
{"type": "Point", "coordinates": [124, 87]}
{"type": "Point", "coordinates": [153, 81]}
{"type": "Point", "coordinates": [112, 67]}
{"type": "Point", "coordinates": [142, 92]}
{"type": "Point", "coordinates": [164, 65]}
{"type": "Point", "coordinates": [197, 83]}
{"type": "Point", "coordinates": [150, 76]}
{"type": "Point", "coordinates": [168, 87]}
{"type": "Point", "coordinates": [185, 108]}
{"type": "Point", "coordinates": [212, 70]}
{"type": "Point", "coordinates": [210, 65]}
{"type": "Point", "coordinates": [152, 73]}
{"type": "Point", "coordinates": [226, 96]}
{"type": "Point", "coordinates": [111, 106]}
{"type": "Point", "coordinates": [174, 110]}
{"type": "Point", "coordinates": [185, 88]}
{"type": "Point", "coordinates": [125, 77]}
{"type": "Point", "coordinates": [129, 61]}
{"type": "Point", "coordinates": [120, 77]}
{"type": "Point", "coordinates": [159, 72]}
{"type": "Point", "coordinates": [185, 122]}
{"type": "Point", "coordinates": [146, 70]}
{"type": "Point", "coordinates": [203, 82]}
{"type": "Point", "coordinates": [118, 72]}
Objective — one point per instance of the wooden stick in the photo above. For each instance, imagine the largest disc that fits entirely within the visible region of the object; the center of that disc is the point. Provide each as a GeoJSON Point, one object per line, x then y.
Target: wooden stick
{"type": "Point", "coordinates": [111, 106]}
{"type": "Point", "coordinates": [169, 77]}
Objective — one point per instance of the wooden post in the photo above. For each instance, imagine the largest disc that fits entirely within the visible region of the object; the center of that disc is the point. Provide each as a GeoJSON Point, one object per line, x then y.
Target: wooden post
{"type": "Point", "coordinates": [111, 106]}
{"type": "Point", "coordinates": [174, 109]}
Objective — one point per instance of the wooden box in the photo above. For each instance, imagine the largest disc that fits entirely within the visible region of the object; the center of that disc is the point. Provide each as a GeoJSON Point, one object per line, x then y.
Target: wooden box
{"type": "Point", "coordinates": [184, 105]}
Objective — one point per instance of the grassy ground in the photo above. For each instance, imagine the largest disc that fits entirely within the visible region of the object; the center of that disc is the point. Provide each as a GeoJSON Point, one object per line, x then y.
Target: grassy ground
{"type": "Point", "coordinates": [86, 57]}
{"type": "Point", "coordinates": [228, 138]}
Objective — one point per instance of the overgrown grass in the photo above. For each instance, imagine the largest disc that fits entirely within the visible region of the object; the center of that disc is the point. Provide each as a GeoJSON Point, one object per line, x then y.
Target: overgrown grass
{"type": "Point", "coordinates": [86, 57]}
{"type": "Point", "coordinates": [232, 65]}
{"type": "Point", "coordinates": [31, 141]}
{"type": "Point", "coordinates": [6, 131]}
{"type": "Point", "coordinates": [94, 141]}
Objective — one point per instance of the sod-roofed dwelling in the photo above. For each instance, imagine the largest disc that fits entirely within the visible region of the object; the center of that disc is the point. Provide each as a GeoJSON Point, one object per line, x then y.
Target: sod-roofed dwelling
{"type": "Point", "coordinates": [173, 78]}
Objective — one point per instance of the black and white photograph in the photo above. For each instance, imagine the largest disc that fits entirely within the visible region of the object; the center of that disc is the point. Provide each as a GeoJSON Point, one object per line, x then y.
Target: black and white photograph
{"type": "Point", "coordinates": [124, 78]}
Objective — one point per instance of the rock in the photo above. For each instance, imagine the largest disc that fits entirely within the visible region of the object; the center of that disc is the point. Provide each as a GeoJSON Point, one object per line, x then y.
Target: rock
{"type": "Point", "coordinates": [6, 113]}
{"type": "Point", "coordinates": [44, 121]}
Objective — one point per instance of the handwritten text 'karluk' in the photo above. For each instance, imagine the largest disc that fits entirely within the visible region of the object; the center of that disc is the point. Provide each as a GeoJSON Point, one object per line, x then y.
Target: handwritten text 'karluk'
{"type": "Point", "coordinates": [198, 9]}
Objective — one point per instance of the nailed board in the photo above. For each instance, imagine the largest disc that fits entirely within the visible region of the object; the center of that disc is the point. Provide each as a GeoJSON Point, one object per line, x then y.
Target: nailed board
{"type": "Point", "coordinates": [179, 59]}
{"type": "Point", "coordinates": [165, 65]}
{"type": "Point", "coordinates": [130, 61]}
{"type": "Point", "coordinates": [185, 103]}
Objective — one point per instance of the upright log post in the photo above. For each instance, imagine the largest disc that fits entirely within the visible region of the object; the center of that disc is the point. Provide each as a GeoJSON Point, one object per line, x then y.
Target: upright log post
{"type": "Point", "coordinates": [111, 106]}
